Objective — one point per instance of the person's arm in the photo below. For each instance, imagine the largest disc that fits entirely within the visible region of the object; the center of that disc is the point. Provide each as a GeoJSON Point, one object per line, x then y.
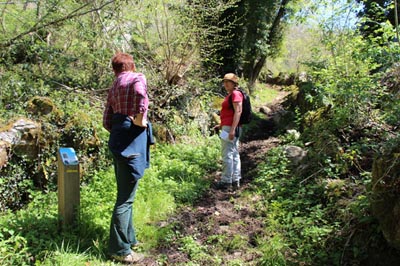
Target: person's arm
{"type": "Point", "coordinates": [237, 107]}
{"type": "Point", "coordinates": [107, 114]}
{"type": "Point", "coordinates": [141, 102]}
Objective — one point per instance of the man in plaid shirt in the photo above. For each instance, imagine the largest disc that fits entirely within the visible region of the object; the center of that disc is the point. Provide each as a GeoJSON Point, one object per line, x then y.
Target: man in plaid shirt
{"type": "Point", "coordinates": [125, 117]}
{"type": "Point", "coordinates": [128, 96]}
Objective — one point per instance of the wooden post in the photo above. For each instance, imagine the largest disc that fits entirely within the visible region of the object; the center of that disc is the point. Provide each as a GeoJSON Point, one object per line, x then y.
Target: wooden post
{"type": "Point", "coordinates": [68, 186]}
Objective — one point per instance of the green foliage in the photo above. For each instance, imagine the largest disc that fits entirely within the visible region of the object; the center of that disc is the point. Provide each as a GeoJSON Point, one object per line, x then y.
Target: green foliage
{"type": "Point", "coordinates": [194, 250]}
{"type": "Point", "coordinates": [45, 45]}
{"type": "Point", "coordinates": [167, 41]}
{"type": "Point", "coordinates": [296, 49]}
{"type": "Point", "coordinates": [18, 88]}
{"type": "Point", "coordinates": [60, 55]}
{"type": "Point", "coordinates": [263, 95]}
{"type": "Point", "coordinates": [30, 236]}
{"type": "Point", "coordinates": [374, 14]}
{"type": "Point", "coordinates": [277, 167]}
{"type": "Point", "coordinates": [65, 255]}
{"type": "Point", "coordinates": [15, 186]}
{"type": "Point", "coordinates": [317, 214]}
{"type": "Point", "coordinates": [343, 112]}
{"type": "Point", "coordinates": [323, 204]}
{"type": "Point", "coordinates": [211, 253]}
{"type": "Point", "coordinates": [303, 213]}
{"type": "Point", "coordinates": [180, 176]}
{"type": "Point", "coordinates": [273, 251]}
{"type": "Point", "coordinates": [70, 120]}
{"type": "Point", "coordinates": [254, 30]}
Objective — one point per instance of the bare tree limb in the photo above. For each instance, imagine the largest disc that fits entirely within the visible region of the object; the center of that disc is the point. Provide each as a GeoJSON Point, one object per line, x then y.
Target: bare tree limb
{"type": "Point", "coordinates": [37, 26]}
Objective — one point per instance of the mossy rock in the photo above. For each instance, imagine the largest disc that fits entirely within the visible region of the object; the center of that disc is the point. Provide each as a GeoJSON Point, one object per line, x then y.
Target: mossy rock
{"type": "Point", "coordinates": [324, 142]}
{"type": "Point", "coordinates": [23, 136]}
{"type": "Point", "coordinates": [41, 106]}
{"type": "Point", "coordinates": [336, 188]}
{"type": "Point", "coordinates": [80, 132]}
{"type": "Point", "coordinates": [315, 116]}
{"type": "Point", "coordinates": [385, 202]}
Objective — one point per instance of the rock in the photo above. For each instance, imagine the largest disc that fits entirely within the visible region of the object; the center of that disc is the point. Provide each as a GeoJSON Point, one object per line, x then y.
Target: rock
{"type": "Point", "coordinates": [303, 77]}
{"type": "Point", "coordinates": [279, 116]}
{"type": "Point", "coordinates": [41, 106]}
{"type": "Point", "coordinates": [283, 119]}
{"type": "Point", "coordinates": [314, 116]}
{"type": "Point", "coordinates": [22, 136]}
{"type": "Point", "coordinates": [295, 154]}
{"type": "Point", "coordinates": [266, 110]}
{"type": "Point", "coordinates": [386, 197]}
{"type": "Point", "coordinates": [162, 134]}
{"type": "Point", "coordinates": [10, 136]}
{"type": "Point", "coordinates": [4, 149]}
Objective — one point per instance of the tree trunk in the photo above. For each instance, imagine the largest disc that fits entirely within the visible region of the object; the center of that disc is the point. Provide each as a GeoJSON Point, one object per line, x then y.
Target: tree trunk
{"type": "Point", "coordinates": [273, 34]}
{"type": "Point", "coordinates": [255, 72]}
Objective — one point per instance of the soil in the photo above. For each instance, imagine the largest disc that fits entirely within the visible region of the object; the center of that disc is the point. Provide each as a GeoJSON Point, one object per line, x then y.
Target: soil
{"type": "Point", "coordinates": [225, 219]}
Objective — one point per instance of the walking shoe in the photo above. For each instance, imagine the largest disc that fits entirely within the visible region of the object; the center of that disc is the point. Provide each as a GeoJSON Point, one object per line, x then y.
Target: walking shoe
{"type": "Point", "coordinates": [222, 185]}
{"type": "Point", "coordinates": [131, 258]}
{"type": "Point", "coordinates": [236, 185]}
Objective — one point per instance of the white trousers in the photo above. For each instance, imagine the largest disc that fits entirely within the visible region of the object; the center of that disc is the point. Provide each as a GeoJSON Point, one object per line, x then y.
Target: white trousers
{"type": "Point", "coordinates": [231, 171]}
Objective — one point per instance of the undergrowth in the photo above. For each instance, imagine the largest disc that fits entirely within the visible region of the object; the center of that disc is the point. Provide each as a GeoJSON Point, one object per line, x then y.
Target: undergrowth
{"type": "Point", "coordinates": [314, 220]}
{"type": "Point", "coordinates": [31, 236]}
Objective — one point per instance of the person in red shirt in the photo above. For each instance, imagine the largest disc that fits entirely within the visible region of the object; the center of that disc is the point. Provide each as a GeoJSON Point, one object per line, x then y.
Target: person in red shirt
{"type": "Point", "coordinates": [230, 133]}
{"type": "Point", "coordinates": [125, 117]}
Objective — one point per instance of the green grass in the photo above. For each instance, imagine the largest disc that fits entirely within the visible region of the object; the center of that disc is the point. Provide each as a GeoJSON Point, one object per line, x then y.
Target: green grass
{"type": "Point", "coordinates": [302, 224]}
{"type": "Point", "coordinates": [263, 95]}
{"type": "Point", "coordinates": [31, 236]}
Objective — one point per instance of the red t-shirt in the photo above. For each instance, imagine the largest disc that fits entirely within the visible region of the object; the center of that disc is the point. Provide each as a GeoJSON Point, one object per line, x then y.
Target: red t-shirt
{"type": "Point", "coordinates": [227, 111]}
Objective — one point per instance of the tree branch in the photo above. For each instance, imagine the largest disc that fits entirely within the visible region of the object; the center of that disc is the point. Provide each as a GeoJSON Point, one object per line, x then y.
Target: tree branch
{"type": "Point", "coordinates": [37, 27]}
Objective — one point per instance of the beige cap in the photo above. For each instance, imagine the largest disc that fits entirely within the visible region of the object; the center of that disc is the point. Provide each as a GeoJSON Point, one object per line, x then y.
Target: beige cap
{"type": "Point", "coordinates": [232, 77]}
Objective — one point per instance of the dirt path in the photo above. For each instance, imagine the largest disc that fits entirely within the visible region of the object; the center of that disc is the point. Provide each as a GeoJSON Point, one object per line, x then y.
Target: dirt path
{"type": "Point", "coordinates": [224, 224]}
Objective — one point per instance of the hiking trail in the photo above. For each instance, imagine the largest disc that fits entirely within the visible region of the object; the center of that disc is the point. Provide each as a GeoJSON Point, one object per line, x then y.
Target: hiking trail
{"type": "Point", "coordinates": [225, 216]}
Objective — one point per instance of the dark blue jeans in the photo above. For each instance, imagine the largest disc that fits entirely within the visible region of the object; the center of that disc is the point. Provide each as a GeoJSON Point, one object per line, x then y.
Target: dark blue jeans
{"type": "Point", "coordinates": [122, 231]}
{"type": "Point", "coordinates": [129, 146]}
